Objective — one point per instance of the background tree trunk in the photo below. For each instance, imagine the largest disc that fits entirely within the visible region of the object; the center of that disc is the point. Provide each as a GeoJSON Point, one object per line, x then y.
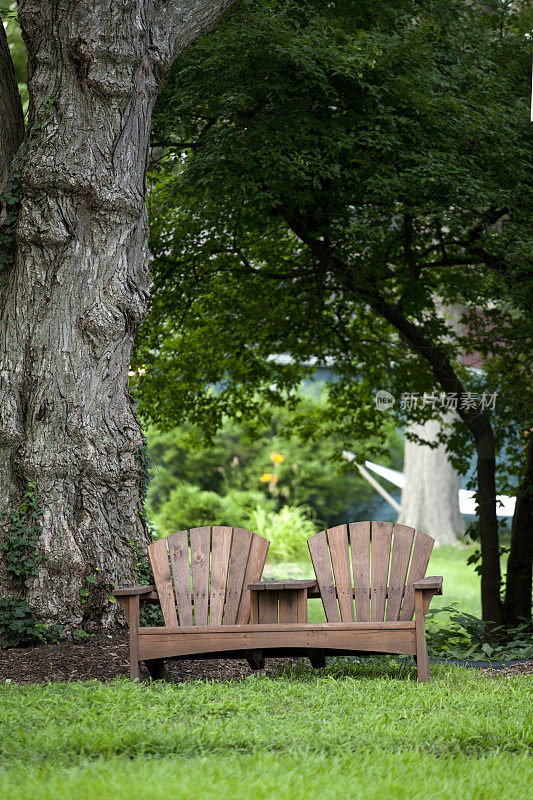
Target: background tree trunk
{"type": "Point", "coordinates": [519, 566]}
{"type": "Point", "coordinates": [78, 290]}
{"type": "Point", "coordinates": [430, 497]}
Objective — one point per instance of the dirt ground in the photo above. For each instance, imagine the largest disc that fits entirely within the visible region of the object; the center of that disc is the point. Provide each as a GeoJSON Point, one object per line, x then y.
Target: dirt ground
{"type": "Point", "coordinates": [104, 657]}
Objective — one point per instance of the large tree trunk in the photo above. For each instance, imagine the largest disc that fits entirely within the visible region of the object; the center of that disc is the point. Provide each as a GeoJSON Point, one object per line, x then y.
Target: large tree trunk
{"type": "Point", "coordinates": [519, 567]}
{"type": "Point", "coordinates": [11, 118]}
{"type": "Point", "coordinates": [78, 290]}
{"type": "Point", "coordinates": [430, 497]}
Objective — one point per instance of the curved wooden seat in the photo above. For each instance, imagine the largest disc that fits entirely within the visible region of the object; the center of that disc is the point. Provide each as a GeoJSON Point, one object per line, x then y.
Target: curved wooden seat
{"type": "Point", "coordinates": [278, 639]}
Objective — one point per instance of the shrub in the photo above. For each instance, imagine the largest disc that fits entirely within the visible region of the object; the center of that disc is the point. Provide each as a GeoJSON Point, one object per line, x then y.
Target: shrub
{"type": "Point", "coordinates": [464, 636]}
{"type": "Point", "coordinates": [287, 530]}
{"type": "Point", "coordinates": [188, 507]}
{"type": "Point", "coordinates": [18, 626]}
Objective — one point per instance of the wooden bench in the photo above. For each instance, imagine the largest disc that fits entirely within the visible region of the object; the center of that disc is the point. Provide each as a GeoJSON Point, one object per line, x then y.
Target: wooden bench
{"type": "Point", "coordinates": [201, 584]}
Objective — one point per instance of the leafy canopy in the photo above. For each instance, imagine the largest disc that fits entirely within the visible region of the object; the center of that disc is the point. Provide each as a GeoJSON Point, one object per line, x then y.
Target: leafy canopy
{"type": "Point", "coordinates": [317, 161]}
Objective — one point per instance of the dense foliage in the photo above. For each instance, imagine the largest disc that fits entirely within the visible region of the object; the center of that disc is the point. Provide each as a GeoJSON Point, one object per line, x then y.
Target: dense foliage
{"type": "Point", "coordinates": [388, 141]}
{"type": "Point", "coordinates": [264, 478]}
{"type": "Point", "coordinates": [17, 49]}
{"type": "Point", "coordinates": [452, 633]}
{"type": "Point", "coordinates": [22, 558]}
{"type": "Point", "coordinates": [344, 181]}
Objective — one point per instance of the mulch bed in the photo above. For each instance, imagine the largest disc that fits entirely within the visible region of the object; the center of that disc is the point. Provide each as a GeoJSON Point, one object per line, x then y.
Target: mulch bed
{"type": "Point", "coordinates": [524, 668]}
{"type": "Point", "coordinates": [105, 657]}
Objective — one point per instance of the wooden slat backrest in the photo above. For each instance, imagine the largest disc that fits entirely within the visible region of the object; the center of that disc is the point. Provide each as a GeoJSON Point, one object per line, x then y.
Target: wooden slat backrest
{"type": "Point", "coordinates": [158, 555]}
{"type": "Point", "coordinates": [220, 553]}
{"type": "Point", "coordinates": [240, 550]}
{"type": "Point", "coordinates": [419, 564]}
{"type": "Point", "coordinates": [254, 570]}
{"type": "Point", "coordinates": [379, 568]}
{"type": "Point", "coordinates": [319, 551]}
{"type": "Point", "coordinates": [399, 564]}
{"type": "Point", "coordinates": [178, 548]}
{"type": "Point", "coordinates": [218, 564]}
{"type": "Point", "coordinates": [200, 539]}
{"type": "Point", "coordinates": [382, 585]}
{"type": "Point", "coordinates": [340, 561]}
{"type": "Point", "coordinates": [360, 542]}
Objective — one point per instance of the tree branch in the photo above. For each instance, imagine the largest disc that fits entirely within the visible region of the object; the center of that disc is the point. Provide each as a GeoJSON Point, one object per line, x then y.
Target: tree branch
{"type": "Point", "coordinates": [411, 334]}
{"type": "Point", "coordinates": [178, 23]}
{"type": "Point", "coordinates": [454, 261]}
{"type": "Point", "coordinates": [180, 146]}
{"type": "Point", "coordinates": [493, 216]}
{"type": "Point", "coordinates": [11, 116]}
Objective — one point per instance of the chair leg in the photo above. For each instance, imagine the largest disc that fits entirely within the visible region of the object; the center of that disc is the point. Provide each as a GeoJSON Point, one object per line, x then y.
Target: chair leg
{"type": "Point", "coordinates": [134, 669]}
{"type": "Point", "coordinates": [423, 669]}
{"type": "Point", "coordinates": [156, 669]}
{"type": "Point", "coordinates": [134, 622]}
{"type": "Point", "coordinates": [421, 658]}
{"type": "Point", "coordinates": [255, 659]}
{"type": "Point", "coordinates": [317, 658]}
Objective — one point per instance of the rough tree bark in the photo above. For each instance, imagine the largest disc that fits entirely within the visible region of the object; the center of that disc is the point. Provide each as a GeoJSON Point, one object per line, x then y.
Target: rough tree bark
{"type": "Point", "coordinates": [430, 497]}
{"type": "Point", "coordinates": [78, 289]}
{"type": "Point", "coordinates": [11, 117]}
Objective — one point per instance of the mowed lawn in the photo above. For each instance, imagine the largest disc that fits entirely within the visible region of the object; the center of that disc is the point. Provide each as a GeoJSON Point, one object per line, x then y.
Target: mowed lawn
{"type": "Point", "coordinates": [353, 730]}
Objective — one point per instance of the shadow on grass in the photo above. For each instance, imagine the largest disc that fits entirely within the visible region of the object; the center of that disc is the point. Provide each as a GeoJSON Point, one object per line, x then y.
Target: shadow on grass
{"type": "Point", "coordinates": [349, 667]}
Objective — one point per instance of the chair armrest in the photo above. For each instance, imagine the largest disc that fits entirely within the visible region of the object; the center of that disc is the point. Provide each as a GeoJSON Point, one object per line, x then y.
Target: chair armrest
{"type": "Point", "coordinates": [432, 582]}
{"type": "Point", "coordinates": [131, 597]}
{"type": "Point", "coordinates": [146, 594]}
{"type": "Point", "coordinates": [427, 587]}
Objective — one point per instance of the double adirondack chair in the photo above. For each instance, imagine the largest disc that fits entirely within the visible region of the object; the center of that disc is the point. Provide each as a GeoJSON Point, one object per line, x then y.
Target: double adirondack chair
{"type": "Point", "coordinates": [205, 580]}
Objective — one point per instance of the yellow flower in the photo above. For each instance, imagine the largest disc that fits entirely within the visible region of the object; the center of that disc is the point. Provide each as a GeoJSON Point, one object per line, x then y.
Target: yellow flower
{"type": "Point", "coordinates": [266, 477]}
{"type": "Point", "coordinates": [277, 457]}
{"type": "Point", "coordinates": [137, 372]}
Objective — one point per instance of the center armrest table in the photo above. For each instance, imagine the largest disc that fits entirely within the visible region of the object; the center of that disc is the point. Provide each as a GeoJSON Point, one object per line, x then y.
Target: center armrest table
{"type": "Point", "coordinates": [280, 601]}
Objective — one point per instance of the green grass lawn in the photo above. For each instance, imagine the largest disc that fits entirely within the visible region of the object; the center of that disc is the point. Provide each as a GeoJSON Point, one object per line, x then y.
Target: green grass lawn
{"type": "Point", "coordinates": [357, 729]}
{"type": "Point", "coordinates": [354, 730]}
